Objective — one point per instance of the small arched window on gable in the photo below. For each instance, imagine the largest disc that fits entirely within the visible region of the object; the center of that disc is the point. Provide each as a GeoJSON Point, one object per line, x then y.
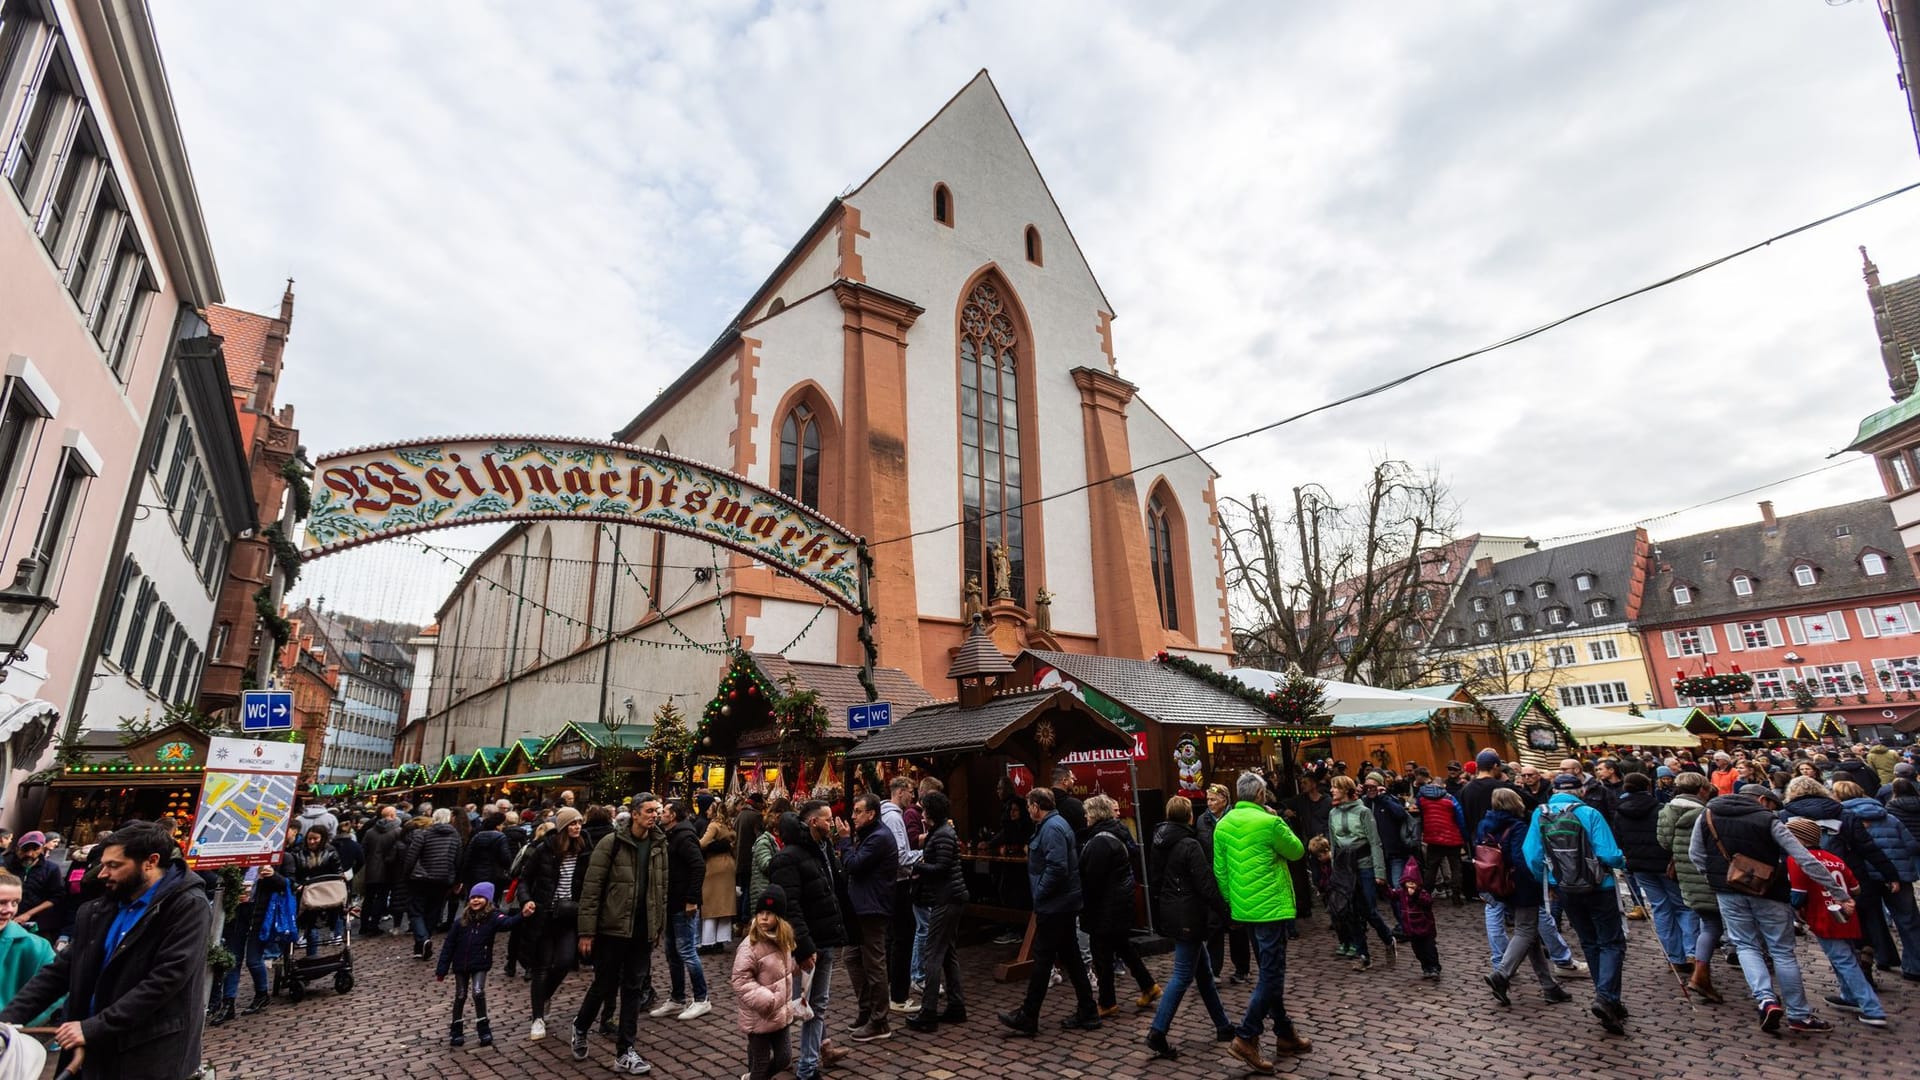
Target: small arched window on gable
{"type": "Point", "coordinates": [1160, 554]}
{"type": "Point", "coordinates": [942, 205]}
{"type": "Point", "coordinates": [800, 455]}
{"type": "Point", "coordinates": [1033, 246]}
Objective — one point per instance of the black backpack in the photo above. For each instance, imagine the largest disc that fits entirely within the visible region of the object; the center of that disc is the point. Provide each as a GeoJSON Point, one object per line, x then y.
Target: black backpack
{"type": "Point", "coordinates": [1569, 851]}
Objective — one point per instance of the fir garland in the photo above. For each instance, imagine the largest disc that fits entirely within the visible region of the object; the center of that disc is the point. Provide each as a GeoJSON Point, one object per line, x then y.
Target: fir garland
{"type": "Point", "coordinates": [1299, 702]}
{"type": "Point", "coordinates": [1732, 684]}
{"type": "Point", "coordinates": [276, 624]}
{"type": "Point", "coordinates": [298, 488]}
{"type": "Point", "coordinates": [285, 555]}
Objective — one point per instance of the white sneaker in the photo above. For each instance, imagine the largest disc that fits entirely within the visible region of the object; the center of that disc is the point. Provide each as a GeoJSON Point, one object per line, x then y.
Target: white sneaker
{"type": "Point", "coordinates": [696, 1010]}
{"type": "Point", "coordinates": [1573, 964]}
{"type": "Point", "coordinates": [904, 1006]}
{"type": "Point", "coordinates": [666, 1007]}
{"type": "Point", "coordinates": [537, 1032]}
{"type": "Point", "coordinates": [632, 1064]}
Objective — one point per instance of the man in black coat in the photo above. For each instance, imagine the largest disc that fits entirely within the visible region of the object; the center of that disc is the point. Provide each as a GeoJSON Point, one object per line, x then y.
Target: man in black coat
{"type": "Point", "coordinates": [380, 850]}
{"type": "Point", "coordinates": [747, 827]}
{"type": "Point", "coordinates": [135, 975]}
{"type": "Point", "coordinates": [686, 877]}
{"type": "Point", "coordinates": [809, 870]}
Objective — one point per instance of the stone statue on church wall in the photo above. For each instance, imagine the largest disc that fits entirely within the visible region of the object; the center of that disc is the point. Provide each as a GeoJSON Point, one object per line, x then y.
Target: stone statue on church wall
{"type": "Point", "coordinates": [1002, 573]}
{"type": "Point", "coordinates": [1043, 611]}
{"type": "Point", "coordinates": [973, 606]}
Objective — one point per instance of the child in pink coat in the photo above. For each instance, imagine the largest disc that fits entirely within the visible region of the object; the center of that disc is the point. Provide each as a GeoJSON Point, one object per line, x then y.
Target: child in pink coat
{"type": "Point", "coordinates": [763, 985]}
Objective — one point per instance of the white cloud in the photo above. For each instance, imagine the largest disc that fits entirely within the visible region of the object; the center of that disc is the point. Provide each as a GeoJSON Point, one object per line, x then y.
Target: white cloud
{"type": "Point", "coordinates": [507, 222]}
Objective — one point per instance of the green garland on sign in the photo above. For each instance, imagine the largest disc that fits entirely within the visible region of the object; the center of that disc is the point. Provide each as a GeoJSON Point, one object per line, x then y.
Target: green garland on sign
{"type": "Point", "coordinates": [1732, 684]}
{"type": "Point", "coordinates": [1300, 702]}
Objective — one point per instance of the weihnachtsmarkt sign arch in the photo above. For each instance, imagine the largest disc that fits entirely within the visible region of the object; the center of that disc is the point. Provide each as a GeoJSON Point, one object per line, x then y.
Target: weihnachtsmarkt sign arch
{"type": "Point", "coordinates": [381, 492]}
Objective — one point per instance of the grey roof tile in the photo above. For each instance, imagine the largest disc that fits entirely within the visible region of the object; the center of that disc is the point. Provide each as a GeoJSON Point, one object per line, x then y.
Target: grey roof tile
{"type": "Point", "coordinates": [839, 687]}
{"type": "Point", "coordinates": [1156, 690]}
{"type": "Point", "coordinates": [1610, 559]}
{"type": "Point", "coordinates": [946, 727]}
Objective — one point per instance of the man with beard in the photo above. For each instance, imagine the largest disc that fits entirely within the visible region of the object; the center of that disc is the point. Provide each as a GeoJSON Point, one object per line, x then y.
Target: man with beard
{"type": "Point", "coordinates": [135, 975]}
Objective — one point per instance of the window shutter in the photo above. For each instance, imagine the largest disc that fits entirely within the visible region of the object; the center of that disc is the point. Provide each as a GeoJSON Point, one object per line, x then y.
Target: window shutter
{"type": "Point", "coordinates": [1774, 636]}
{"type": "Point", "coordinates": [1672, 642]}
{"type": "Point", "coordinates": [1706, 641]}
{"type": "Point", "coordinates": [1864, 616]}
{"type": "Point", "coordinates": [1839, 620]}
{"type": "Point", "coordinates": [1913, 616]}
{"type": "Point", "coordinates": [1736, 642]}
{"type": "Point", "coordinates": [1794, 630]}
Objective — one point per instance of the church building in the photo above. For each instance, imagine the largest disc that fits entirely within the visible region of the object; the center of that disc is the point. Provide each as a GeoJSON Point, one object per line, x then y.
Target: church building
{"type": "Point", "coordinates": [930, 359]}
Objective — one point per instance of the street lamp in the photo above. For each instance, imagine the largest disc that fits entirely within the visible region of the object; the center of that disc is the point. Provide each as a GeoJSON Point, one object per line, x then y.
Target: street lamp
{"type": "Point", "coordinates": [22, 610]}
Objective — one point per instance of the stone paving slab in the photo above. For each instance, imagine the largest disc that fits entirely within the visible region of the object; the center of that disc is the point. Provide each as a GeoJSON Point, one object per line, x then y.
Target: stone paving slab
{"type": "Point", "coordinates": [1386, 1022]}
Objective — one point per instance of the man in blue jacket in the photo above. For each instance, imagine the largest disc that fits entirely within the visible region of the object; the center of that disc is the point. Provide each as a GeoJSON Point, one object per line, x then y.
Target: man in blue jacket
{"type": "Point", "coordinates": [1053, 873]}
{"type": "Point", "coordinates": [1580, 871]}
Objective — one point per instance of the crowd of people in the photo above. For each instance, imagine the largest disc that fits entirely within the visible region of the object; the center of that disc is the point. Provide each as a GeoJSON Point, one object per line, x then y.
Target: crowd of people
{"type": "Point", "coordinates": [1728, 858]}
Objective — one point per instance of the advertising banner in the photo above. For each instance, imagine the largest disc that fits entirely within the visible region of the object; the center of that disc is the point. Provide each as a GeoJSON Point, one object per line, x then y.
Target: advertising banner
{"type": "Point", "coordinates": [246, 802]}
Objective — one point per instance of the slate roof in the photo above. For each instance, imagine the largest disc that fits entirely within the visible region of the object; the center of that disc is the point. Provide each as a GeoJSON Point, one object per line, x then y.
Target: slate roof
{"type": "Point", "coordinates": [1157, 691]}
{"type": "Point", "coordinates": [1769, 560]}
{"type": "Point", "coordinates": [245, 342]}
{"type": "Point", "coordinates": [1610, 559]}
{"type": "Point", "coordinates": [839, 687]}
{"type": "Point", "coordinates": [946, 727]}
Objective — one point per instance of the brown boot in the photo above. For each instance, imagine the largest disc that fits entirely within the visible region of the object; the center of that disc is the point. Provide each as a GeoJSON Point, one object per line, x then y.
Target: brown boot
{"type": "Point", "coordinates": [1702, 983]}
{"type": "Point", "coordinates": [1249, 1053]}
{"type": "Point", "coordinates": [1291, 1041]}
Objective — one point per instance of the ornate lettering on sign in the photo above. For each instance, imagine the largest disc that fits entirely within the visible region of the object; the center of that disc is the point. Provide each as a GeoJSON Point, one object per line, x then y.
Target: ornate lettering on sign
{"type": "Point", "coordinates": [377, 493]}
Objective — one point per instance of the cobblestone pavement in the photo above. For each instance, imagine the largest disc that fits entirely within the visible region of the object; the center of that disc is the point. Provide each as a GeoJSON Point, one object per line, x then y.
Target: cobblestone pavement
{"type": "Point", "coordinates": [1386, 1022]}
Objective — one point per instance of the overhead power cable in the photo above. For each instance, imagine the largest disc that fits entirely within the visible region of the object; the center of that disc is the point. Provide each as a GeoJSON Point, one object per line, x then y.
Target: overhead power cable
{"type": "Point", "coordinates": [1699, 505]}
{"type": "Point", "coordinates": [1402, 380]}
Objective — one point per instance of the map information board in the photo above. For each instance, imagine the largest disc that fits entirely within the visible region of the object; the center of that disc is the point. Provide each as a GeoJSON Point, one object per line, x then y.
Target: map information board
{"type": "Point", "coordinates": [246, 801]}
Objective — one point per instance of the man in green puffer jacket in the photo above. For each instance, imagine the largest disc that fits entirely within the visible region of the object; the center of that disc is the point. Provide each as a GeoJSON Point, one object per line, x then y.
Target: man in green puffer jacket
{"type": "Point", "coordinates": [1674, 831]}
{"type": "Point", "coordinates": [1251, 850]}
{"type": "Point", "coordinates": [623, 911]}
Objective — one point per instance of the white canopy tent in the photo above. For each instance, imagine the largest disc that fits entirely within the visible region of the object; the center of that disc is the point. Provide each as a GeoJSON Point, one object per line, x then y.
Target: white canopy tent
{"type": "Point", "coordinates": [1348, 699]}
{"type": "Point", "coordinates": [1590, 726]}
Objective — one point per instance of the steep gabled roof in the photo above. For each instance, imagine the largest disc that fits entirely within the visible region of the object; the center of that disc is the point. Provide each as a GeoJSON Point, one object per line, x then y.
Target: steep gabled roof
{"type": "Point", "coordinates": [244, 341]}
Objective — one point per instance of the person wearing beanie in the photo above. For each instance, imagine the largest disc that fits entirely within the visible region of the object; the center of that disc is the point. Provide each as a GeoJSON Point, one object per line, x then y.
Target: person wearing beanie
{"type": "Point", "coordinates": [1834, 922]}
{"type": "Point", "coordinates": [763, 973]}
{"type": "Point", "coordinates": [468, 955]}
{"type": "Point", "coordinates": [552, 878]}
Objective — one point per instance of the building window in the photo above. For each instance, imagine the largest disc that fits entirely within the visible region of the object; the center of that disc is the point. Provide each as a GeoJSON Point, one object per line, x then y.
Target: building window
{"type": "Point", "coordinates": [1562, 656]}
{"type": "Point", "coordinates": [51, 101]}
{"type": "Point", "coordinates": [1556, 616]}
{"type": "Point", "coordinates": [123, 304]}
{"type": "Point", "coordinates": [1899, 471]}
{"type": "Point", "coordinates": [1517, 623]}
{"type": "Point", "coordinates": [1486, 666]}
{"type": "Point", "coordinates": [1456, 636]}
{"type": "Point", "coordinates": [1483, 630]}
{"type": "Point", "coordinates": [60, 519]}
{"type": "Point", "coordinates": [1423, 601]}
{"type": "Point", "coordinates": [1450, 671]}
{"type": "Point", "coordinates": [98, 251]}
{"type": "Point", "coordinates": [19, 420]}
{"type": "Point", "coordinates": [61, 217]}
{"type": "Point", "coordinates": [1771, 684]}
{"type": "Point", "coordinates": [1898, 673]}
{"type": "Point", "coordinates": [990, 440]}
{"type": "Point", "coordinates": [1804, 575]}
{"type": "Point", "coordinates": [174, 654]}
{"type": "Point", "coordinates": [1891, 621]}
{"type": "Point", "coordinates": [1599, 609]}
{"type": "Point", "coordinates": [1818, 629]}
{"type": "Point", "coordinates": [1160, 556]}
{"type": "Point", "coordinates": [1479, 603]}
{"type": "Point", "coordinates": [1033, 246]}
{"type": "Point", "coordinates": [1542, 590]}
{"type": "Point", "coordinates": [156, 645]}
{"type": "Point", "coordinates": [1583, 582]}
{"type": "Point", "coordinates": [124, 584]}
{"type": "Point", "coordinates": [942, 204]}
{"type": "Point", "coordinates": [137, 628]}
{"type": "Point", "coordinates": [1682, 594]}
{"type": "Point", "coordinates": [1510, 596]}
{"type": "Point", "coordinates": [1604, 649]}
{"type": "Point", "coordinates": [1842, 531]}
{"type": "Point", "coordinates": [1838, 678]}
{"type": "Point", "coordinates": [1873, 563]}
{"type": "Point", "coordinates": [1755, 635]}
{"type": "Point", "coordinates": [1519, 661]}
{"type": "Point", "coordinates": [1600, 693]}
{"type": "Point", "coordinates": [800, 456]}
{"type": "Point", "coordinates": [1707, 556]}
{"type": "Point", "coordinates": [1688, 642]}
{"type": "Point", "coordinates": [1742, 585]}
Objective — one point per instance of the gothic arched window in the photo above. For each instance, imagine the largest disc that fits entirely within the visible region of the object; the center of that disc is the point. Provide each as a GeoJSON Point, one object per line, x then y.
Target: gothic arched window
{"type": "Point", "coordinates": [1160, 554]}
{"type": "Point", "coordinates": [990, 439]}
{"type": "Point", "coordinates": [800, 456]}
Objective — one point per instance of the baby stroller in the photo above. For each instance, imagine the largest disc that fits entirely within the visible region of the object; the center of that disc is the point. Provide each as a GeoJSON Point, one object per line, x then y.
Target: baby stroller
{"type": "Point", "coordinates": [320, 903]}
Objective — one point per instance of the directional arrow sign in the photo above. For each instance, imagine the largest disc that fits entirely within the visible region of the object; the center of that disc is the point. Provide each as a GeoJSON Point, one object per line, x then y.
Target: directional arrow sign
{"type": "Point", "coordinates": [877, 714]}
{"type": "Point", "coordinates": [266, 710]}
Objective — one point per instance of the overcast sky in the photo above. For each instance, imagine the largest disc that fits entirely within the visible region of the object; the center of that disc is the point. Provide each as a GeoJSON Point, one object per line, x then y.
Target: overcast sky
{"type": "Point", "coordinates": [495, 217]}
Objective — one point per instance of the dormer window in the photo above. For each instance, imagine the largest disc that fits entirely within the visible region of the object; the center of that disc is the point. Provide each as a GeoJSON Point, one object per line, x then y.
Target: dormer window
{"type": "Point", "coordinates": [1556, 616]}
{"type": "Point", "coordinates": [1510, 596]}
{"type": "Point", "coordinates": [1542, 589]}
{"type": "Point", "coordinates": [1742, 585]}
{"type": "Point", "coordinates": [1873, 564]}
{"type": "Point", "coordinates": [1517, 623]}
{"type": "Point", "coordinates": [1804, 575]}
{"type": "Point", "coordinates": [1483, 630]}
{"type": "Point", "coordinates": [1583, 581]}
{"type": "Point", "coordinates": [1599, 609]}
{"type": "Point", "coordinates": [1479, 603]}
{"type": "Point", "coordinates": [1707, 556]}
{"type": "Point", "coordinates": [1682, 594]}
{"type": "Point", "coordinates": [1456, 636]}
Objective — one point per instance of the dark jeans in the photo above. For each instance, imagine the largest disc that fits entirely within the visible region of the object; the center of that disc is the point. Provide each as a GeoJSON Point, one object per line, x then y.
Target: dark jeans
{"type": "Point", "coordinates": [1596, 919]}
{"type": "Point", "coordinates": [941, 961]}
{"type": "Point", "coordinates": [424, 899]}
{"type": "Point", "coordinates": [866, 960]}
{"type": "Point", "coordinates": [1427, 951]}
{"type": "Point", "coordinates": [552, 946]}
{"type": "Point", "coordinates": [476, 982]}
{"type": "Point", "coordinates": [617, 964]}
{"type": "Point", "coordinates": [1054, 941]}
{"type": "Point", "coordinates": [1370, 908]}
{"type": "Point", "coordinates": [374, 903]}
{"type": "Point", "coordinates": [1447, 856]}
{"type": "Point", "coordinates": [1269, 993]}
{"type": "Point", "coordinates": [1234, 938]}
{"type": "Point", "coordinates": [768, 1054]}
{"type": "Point", "coordinates": [683, 956]}
{"type": "Point", "coordinates": [900, 931]}
{"type": "Point", "coordinates": [1875, 932]}
{"type": "Point", "coordinates": [1105, 948]}
{"type": "Point", "coordinates": [256, 965]}
{"type": "Point", "coordinates": [1189, 966]}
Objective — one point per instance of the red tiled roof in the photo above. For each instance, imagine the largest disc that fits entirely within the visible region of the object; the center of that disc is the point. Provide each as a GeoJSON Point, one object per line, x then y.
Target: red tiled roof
{"type": "Point", "coordinates": [245, 335]}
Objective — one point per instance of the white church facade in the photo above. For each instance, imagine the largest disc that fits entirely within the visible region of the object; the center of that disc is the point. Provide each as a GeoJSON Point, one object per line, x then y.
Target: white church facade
{"type": "Point", "coordinates": [933, 354]}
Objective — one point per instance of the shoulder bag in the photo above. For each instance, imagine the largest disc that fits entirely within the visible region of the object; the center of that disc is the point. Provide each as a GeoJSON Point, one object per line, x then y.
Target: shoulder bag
{"type": "Point", "coordinates": [1745, 873]}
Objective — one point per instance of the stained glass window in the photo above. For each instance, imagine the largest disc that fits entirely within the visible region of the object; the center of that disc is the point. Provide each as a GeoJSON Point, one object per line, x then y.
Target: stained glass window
{"type": "Point", "coordinates": [1160, 554]}
{"type": "Point", "coordinates": [990, 439]}
{"type": "Point", "coordinates": [800, 456]}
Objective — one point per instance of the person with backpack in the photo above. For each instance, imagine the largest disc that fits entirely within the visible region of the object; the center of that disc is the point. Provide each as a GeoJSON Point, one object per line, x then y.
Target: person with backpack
{"type": "Point", "coordinates": [1443, 836]}
{"type": "Point", "coordinates": [1571, 848]}
{"type": "Point", "coordinates": [1106, 883]}
{"type": "Point", "coordinates": [1188, 906]}
{"type": "Point", "coordinates": [1742, 848]}
{"type": "Point", "coordinates": [1510, 883]}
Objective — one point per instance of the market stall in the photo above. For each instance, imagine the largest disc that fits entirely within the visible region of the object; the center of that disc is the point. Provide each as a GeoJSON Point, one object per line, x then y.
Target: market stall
{"type": "Point", "coordinates": [1598, 727]}
{"type": "Point", "coordinates": [1425, 734]}
{"type": "Point", "coordinates": [156, 776]}
{"type": "Point", "coordinates": [1532, 727]}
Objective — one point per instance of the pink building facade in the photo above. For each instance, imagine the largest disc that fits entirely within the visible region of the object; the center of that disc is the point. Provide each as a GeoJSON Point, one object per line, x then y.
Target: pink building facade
{"type": "Point", "coordinates": [104, 259]}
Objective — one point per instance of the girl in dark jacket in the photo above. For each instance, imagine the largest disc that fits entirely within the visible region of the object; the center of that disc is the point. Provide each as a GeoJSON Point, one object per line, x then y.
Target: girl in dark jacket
{"type": "Point", "coordinates": [1106, 883]}
{"type": "Point", "coordinates": [1189, 908]}
{"type": "Point", "coordinates": [551, 880]}
{"type": "Point", "coordinates": [1506, 825]}
{"type": "Point", "coordinates": [940, 885]}
{"type": "Point", "coordinates": [469, 956]}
